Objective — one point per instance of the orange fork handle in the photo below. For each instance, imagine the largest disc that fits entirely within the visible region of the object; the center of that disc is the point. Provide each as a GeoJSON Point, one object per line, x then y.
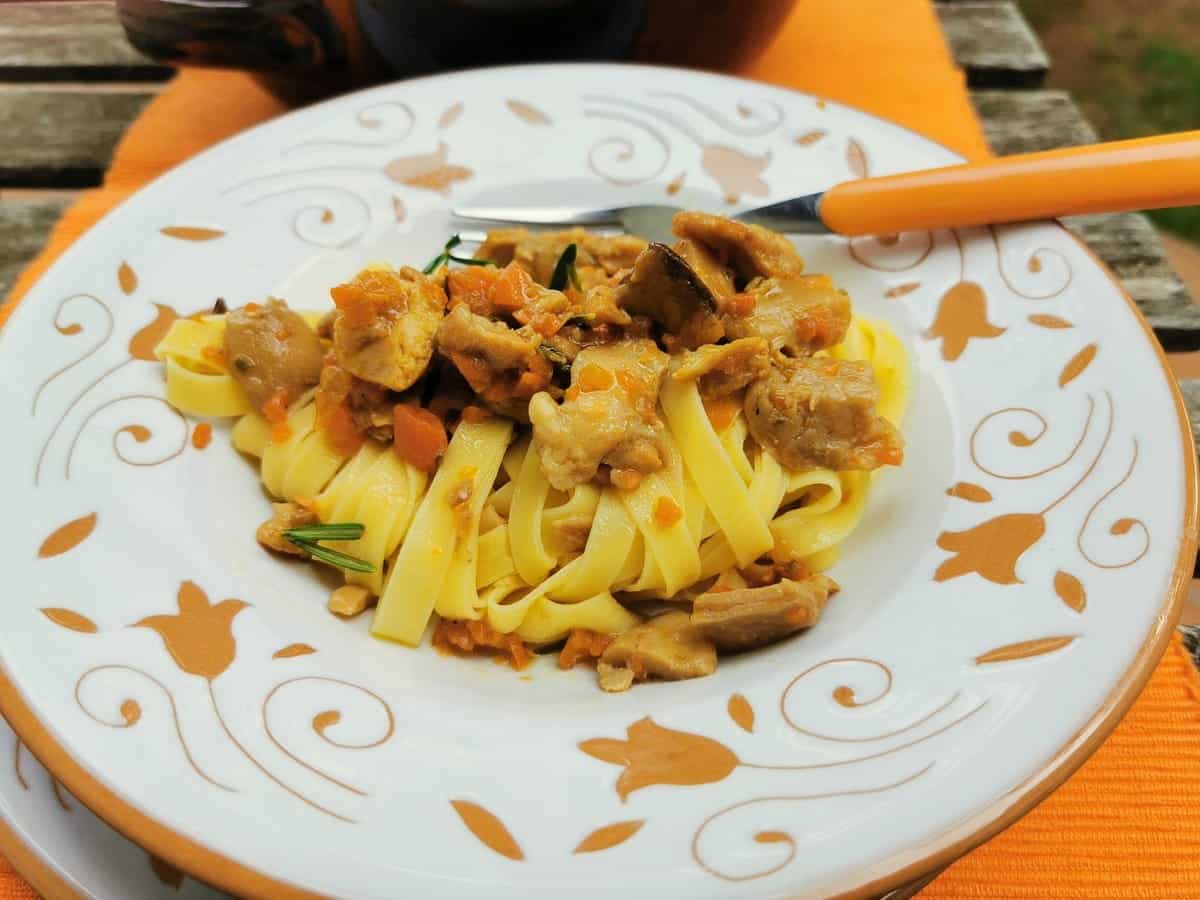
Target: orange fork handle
{"type": "Point", "coordinates": [1147, 173]}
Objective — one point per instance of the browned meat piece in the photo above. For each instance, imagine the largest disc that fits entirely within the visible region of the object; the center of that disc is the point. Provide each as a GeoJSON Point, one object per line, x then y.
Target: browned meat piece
{"type": "Point", "coordinates": [499, 363]}
{"type": "Point", "coordinates": [707, 266]}
{"type": "Point", "coordinates": [820, 412]}
{"type": "Point", "coordinates": [750, 250]}
{"type": "Point", "coordinates": [386, 323]}
{"type": "Point", "coordinates": [271, 350]}
{"type": "Point", "coordinates": [667, 646]}
{"type": "Point", "coordinates": [725, 368]}
{"type": "Point", "coordinates": [745, 618]}
{"type": "Point", "coordinates": [284, 516]}
{"type": "Point", "coordinates": [608, 416]}
{"type": "Point", "coordinates": [798, 316]}
{"type": "Point", "coordinates": [664, 287]}
{"type": "Point", "coordinates": [597, 257]}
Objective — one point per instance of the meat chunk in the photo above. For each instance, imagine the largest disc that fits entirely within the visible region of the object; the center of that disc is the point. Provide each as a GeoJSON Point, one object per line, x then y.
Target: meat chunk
{"type": "Point", "coordinates": [750, 250]}
{"type": "Point", "coordinates": [709, 268]}
{"type": "Point", "coordinates": [820, 412]}
{"type": "Point", "coordinates": [797, 316]}
{"type": "Point", "coordinates": [271, 350]}
{"type": "Point", "coordinates": [745, 618]}
{"type": "Point", "coordinates": [667, 646]}
{"type": "Point", "coordinates": [663, 287]}
{"type": "Point", "coordinates": [723, 369]}
{"type": "Point", "coordinates": [284, 516]}
{"type": "Point", "coordinates": [498, 362]}
{"type": "Point", "coordinates": [608, 416]}
{"type": "Point", "coordinates": [386, 323]}
{"type": "Point", "coordinates": [598, 257]}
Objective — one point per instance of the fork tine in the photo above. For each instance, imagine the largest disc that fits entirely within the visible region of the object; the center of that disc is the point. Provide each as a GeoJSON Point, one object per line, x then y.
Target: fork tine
{"type": "Point", "coordinates": [539, 215]}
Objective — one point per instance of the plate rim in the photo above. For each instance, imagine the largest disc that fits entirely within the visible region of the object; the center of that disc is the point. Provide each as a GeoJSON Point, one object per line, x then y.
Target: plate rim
{"type": "Point", "coordinates": [886, 875]}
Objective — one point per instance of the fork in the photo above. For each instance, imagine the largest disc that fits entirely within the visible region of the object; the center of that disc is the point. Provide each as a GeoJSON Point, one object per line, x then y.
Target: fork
{"type": "Point", "coordinates": [1145, 173]}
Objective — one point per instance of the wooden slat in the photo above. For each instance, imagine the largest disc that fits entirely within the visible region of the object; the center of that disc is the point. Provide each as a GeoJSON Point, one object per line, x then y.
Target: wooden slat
{"type": "Point", "coordinates": [62, 138]}
{"type": "Point", "coordinates": [24, 227]}
{"type": "Point", "coordinates": [69, 42]}
{"type": "Point", "coordinates": [993, 44]}
{"type": "Point", "coordinates": [1028, 121]}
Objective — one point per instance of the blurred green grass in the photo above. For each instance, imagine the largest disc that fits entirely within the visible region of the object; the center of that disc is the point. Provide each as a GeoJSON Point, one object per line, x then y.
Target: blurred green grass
{"type": "Point", "coordinates": [1133, 68]}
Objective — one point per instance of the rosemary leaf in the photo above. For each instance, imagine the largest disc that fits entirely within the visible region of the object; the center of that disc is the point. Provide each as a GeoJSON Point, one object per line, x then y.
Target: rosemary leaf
{"type": "Point", "coordinates": [564, 269]}
{"type": "Point", "coordinates": [332, 557]}
{"type": "Point", "coordinates": [328, 531]}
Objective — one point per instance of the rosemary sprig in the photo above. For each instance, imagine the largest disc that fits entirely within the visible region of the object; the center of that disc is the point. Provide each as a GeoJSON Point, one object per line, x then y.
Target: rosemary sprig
{"type": "Point", "coordinates": [333, 557]}
{"type": "Point", "coordinates": [446, 256]}
{"type": "Point", "coordinates": [326, 531]}
{"type": "Point", "coordinates": [306, 536]}
{"type": "Point", "coordinates": [564, 270]}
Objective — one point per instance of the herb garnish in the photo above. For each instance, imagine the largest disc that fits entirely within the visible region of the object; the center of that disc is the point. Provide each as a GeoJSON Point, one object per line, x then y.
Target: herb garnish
{"type": "Point", "coordinates": [446, 256]}
{"type": "Point", "coordinates": [564, 270]}
{"type": "Point", "coordinates": [306, 536]}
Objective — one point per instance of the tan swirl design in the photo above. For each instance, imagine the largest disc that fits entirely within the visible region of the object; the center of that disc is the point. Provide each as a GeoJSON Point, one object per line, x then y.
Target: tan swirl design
{"type": "Point", "coordinates": [71, 328]}
{"type": "Point", "coordinates": [608, 155]}
{"type": "Point", "coordinates": [754, 124]}
{"type": "Point", "coordinates": [17, 747]}
{"type": "Point", "coordinates": [776, 837]}
{"type": "Point", "coordinates": [1035, 265]}
{"type": "Point", "coordinates": [321, 732]}
{"type": "Point", "coordinates": [331, 224]}
{"type": "Point", "coordinates": [141, 437]}
{"type": "Point", "coordinates": [60, 796]}
{"type": "Point", "coordinates": [846, 696]}
{"type": "Point", "coordinates": [258, 764]}
{"type": "Point", "coordinates": [392, 121]}
{"type": "Point", "coordinates": [130, 713]}
{"type": "Point", "coordinates": [925, 245]}
{"type": "Point", "coordinates": [1119, 527]}
{"type": "Point", "coordinates": [806, 767]}
{"type": "Point", "coordinates": [1023, 440]}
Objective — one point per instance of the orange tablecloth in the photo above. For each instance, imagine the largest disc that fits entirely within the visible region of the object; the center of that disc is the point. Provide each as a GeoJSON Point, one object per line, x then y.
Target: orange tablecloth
{"type": "Point", "coordinates": [1128, 823]}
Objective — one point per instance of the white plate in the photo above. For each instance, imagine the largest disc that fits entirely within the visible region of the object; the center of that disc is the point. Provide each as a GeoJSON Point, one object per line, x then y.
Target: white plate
{"type": "Point", "coordinates": [66, 851]}
{"type": "Point", "coordinates": [944, 692]}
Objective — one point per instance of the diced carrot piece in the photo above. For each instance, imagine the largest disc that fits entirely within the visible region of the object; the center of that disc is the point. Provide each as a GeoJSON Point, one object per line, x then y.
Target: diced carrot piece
{"type": "Point", "coordinates": [738, 305]}
{"type": "Point", "coordinates": [202, 435]}
{"type": "Point", "coordinates": [629, 383]}
{"type": "Point", "coordinates": [418, 435]}
{"type": "Point", "coordinates": [275, 412]}
{"type": "Point", "coordinates": [667, 512]}
{"type": "Point", "coordinates": [511, 288]}
{"type": "Point", "coordinates": [721, 410]}
{"type": "Point", "coordinates": [338, 425]}
{"type": "Point", "coordinates": [346, 295]}
{"type": "Point", "coordinates": [890, 456]}
{"type": "Point", "coordinates": [214, 355]}
{"type": "Point", "coordinates": [594, 378]}
{"type": "Point", "coordinates": [472, 286]}
{"type": "Point", "coordinates": [572, 393]}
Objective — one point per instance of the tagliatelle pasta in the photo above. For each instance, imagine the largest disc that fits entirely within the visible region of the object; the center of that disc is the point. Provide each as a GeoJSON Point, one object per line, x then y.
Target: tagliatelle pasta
{"type": "Point", "coordinates": [521, 532]}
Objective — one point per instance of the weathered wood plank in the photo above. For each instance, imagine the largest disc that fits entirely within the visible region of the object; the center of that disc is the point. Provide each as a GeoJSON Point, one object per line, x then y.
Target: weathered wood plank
{"type": "Point", "coordinates": [69, 41]}
{"type": "Point", "coordinates": [1029, 121]}
{"type": "Point", "coordinates": [64, 138]}
{"type": "Point", "coordinates": [1131, 247]}
{"type": "Point", "coordinates": [24, 227]}
{"type": "Point", "coordinates": [993, 44]}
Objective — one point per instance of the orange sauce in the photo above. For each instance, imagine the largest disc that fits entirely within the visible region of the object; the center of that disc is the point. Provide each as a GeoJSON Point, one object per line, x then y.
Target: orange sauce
{"type": "Point", "coordinates": [667, 512]}
{"type": "Point", "coordinates": [202, 435]}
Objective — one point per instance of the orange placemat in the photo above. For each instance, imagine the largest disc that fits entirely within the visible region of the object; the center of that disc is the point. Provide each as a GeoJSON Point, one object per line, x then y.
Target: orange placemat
{"type": "Point", "coordinates": [1125, 825]}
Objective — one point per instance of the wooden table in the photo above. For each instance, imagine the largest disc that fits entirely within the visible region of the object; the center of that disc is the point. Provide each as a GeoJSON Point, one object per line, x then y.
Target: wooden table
{"type": "Point", "coordinates": [70, 84]}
